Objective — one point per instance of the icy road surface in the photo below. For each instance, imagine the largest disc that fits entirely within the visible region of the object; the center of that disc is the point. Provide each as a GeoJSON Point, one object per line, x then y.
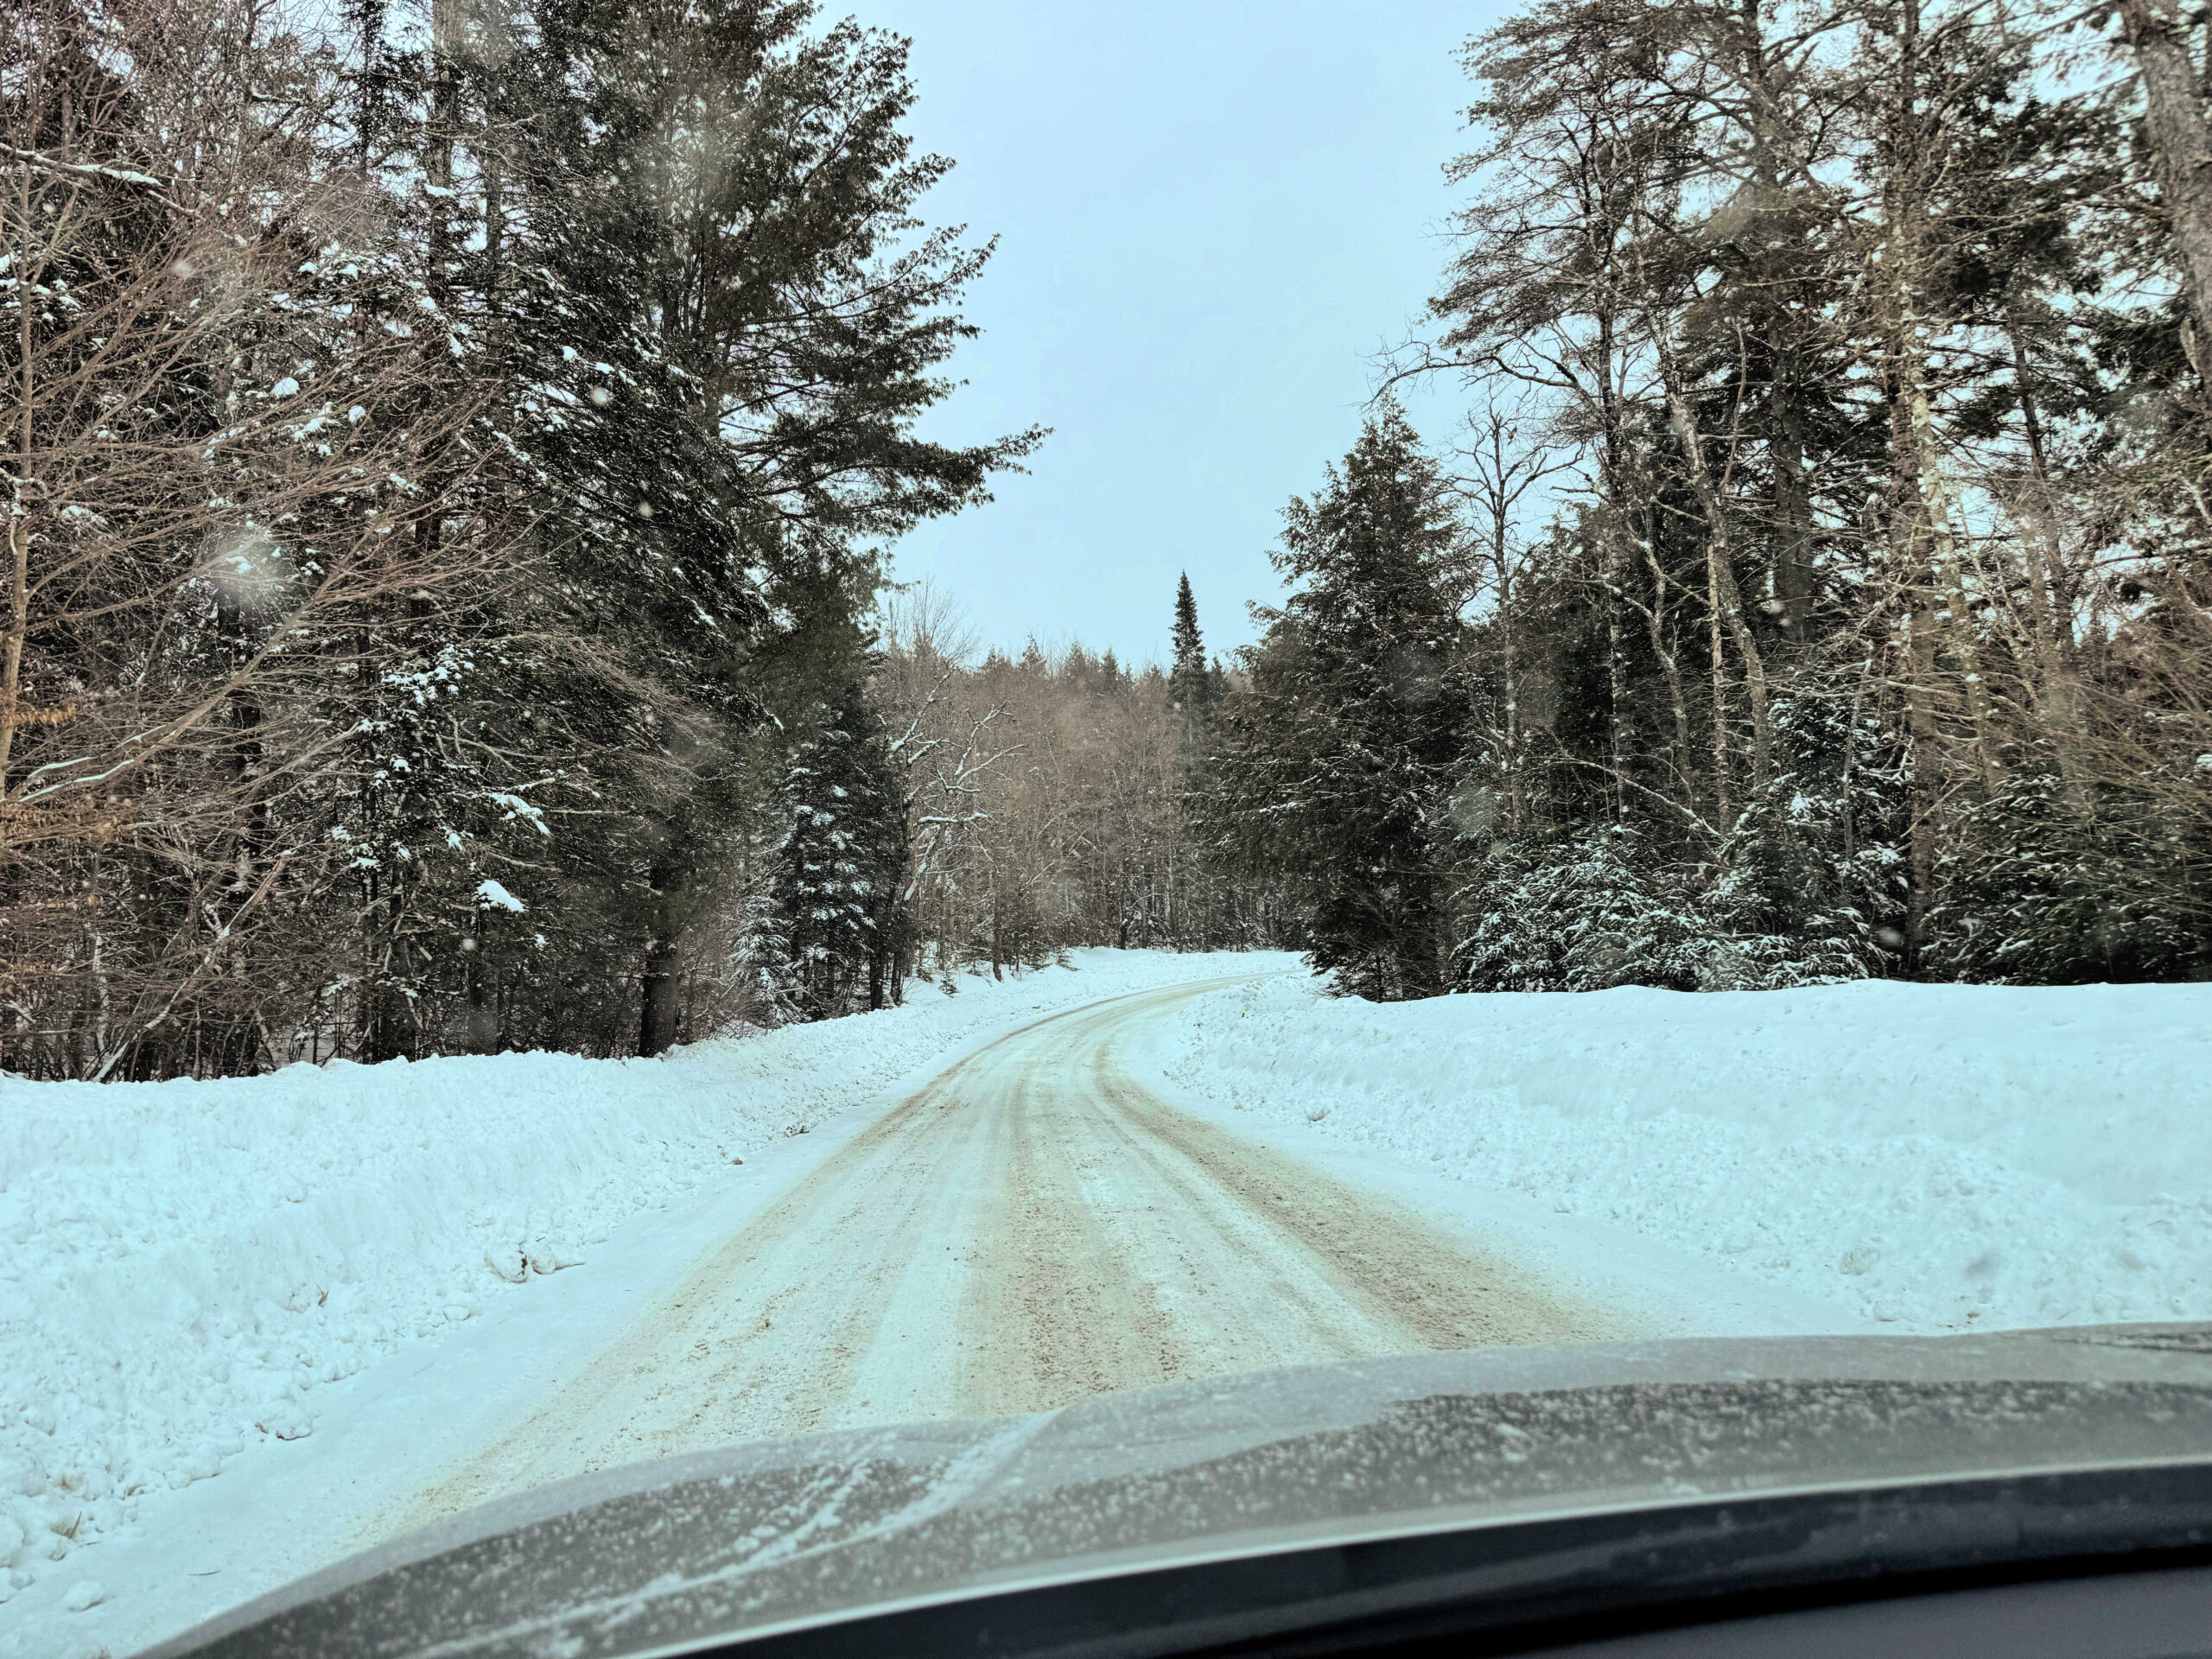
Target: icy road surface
{"type": "Point", "coordinates": [1032, 1228]}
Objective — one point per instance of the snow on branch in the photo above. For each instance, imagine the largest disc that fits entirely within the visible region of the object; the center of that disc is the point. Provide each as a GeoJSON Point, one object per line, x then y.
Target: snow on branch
{"type": "Point", "coordinates": [95, 170]}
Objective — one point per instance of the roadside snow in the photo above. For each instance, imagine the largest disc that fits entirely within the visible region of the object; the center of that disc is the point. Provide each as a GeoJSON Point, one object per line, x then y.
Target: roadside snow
{"type": "Point", "coordinates": [184, 1265]}
{"type": "Point", "coordinates": [1940, 1158]}
{"type": "Point", "coordinates": [186, 1268]}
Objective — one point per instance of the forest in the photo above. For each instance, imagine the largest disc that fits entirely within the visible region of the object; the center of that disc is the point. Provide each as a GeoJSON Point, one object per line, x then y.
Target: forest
{"type": "Point", "coordinates": [450, 460]}
{"type": "Point", "coordinates": [1816, 586]}
{"type": "Point", "coordinates": [456, 459]}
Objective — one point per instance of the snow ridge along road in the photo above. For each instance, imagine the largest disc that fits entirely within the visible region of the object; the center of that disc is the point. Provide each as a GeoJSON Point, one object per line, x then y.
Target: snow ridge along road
{"type": "Point", "coordinates": [1032, 1228]}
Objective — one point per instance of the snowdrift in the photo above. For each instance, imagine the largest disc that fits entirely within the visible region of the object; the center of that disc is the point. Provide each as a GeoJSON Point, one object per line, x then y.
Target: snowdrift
{"type": "Point", "coordinates": [183, 1264]}
{"type": "Point", "coordinates": [1939, 1157]}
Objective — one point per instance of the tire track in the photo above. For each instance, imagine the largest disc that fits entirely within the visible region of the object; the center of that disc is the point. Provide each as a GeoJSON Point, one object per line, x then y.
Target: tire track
{"type": "Point", "coordinates": [1031, 1228]}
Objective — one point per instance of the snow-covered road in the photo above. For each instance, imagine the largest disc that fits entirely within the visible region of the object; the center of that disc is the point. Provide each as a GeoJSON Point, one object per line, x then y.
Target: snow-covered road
{"type": "Point", "coordinates": [1032, 1228]}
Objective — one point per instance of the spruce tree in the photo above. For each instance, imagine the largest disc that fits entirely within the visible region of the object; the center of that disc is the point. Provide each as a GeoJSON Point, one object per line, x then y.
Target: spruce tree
{"type": "Point", "coordinates": [1189, 685]}
{"type": "Point", "coordinates": [834, 892]}
{"type": "Point", "coordinates": [714, 365]}
{"type": "Point", "coordinates": [1334, 769]}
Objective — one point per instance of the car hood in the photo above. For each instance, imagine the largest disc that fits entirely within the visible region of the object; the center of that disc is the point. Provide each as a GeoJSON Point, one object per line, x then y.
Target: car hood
{"type": "Point", "coordinates": [782, 1535]}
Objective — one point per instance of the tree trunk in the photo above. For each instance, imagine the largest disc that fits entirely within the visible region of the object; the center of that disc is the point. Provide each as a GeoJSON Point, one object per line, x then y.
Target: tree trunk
{"type": "Point", "coordinates": [1669, 658]}
{"type": "Point", "coordinates": [482, 1035]}
{"type": "Point", "coordinates": [660, 985]}
{"type": "Point", "coordinates": [2181, 146]}
{"type": "Point", "coordinates": [19, 528]}
{"type": "Point", "coordinates": [1965, 648]}
{"type": "Point", "coordinates": [1911, 551]}
{"type": "Point", "coordinates": [11, 661]}
{"type": "Point", "coordinates": [1920, 717]}
{"type": "Point", "coordinates": [2056, 699]}
{"type": "Point", "coordinates": [1616, 675]}
{"type": "Point", "coordinates": [388, 1030]}
{"type": "Point", "coordinates": [1516, 789]}
{"type": "Point", "coordinates": [1615, 567]}
{"type": "Point", "coordinates": [243, 765]}
{"type": "Point", "coordinates": [1723, 806]}
{"type": "Point", "coordinates": [1421, 951]}
{"type": "Point", "coordinates": [1793, 504]}
{"type": "Point", "coordinates": [443, 135]}
{"type": "Point", "coordinates": [1727, 608]}
{"type": "Point", "coordinates": [1793, 496]}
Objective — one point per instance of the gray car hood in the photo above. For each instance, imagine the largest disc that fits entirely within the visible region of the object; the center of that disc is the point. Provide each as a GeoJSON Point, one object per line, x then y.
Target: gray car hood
{"type": "Point", "coordinates": [780, 1536]}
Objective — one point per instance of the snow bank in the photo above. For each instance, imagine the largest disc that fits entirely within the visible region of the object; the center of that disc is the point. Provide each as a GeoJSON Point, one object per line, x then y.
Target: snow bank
{"type": "Point", "coordinates": [183, 1264]}
{"type": "Point", "coordinates": [1941, 1157]}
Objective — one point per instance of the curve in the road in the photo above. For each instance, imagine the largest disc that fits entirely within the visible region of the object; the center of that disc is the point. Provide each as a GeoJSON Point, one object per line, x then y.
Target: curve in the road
{"type": "Point", "coordinates": [1032, 1228]}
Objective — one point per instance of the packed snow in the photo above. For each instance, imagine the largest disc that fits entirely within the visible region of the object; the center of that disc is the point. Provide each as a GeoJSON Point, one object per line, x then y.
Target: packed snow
{"type": "Point", "coordinates": [1937, 1157]}
{"type": "Point", "coordinates": [185, 1266]}
{"type": "Point", "coordinates": [274, 1279]}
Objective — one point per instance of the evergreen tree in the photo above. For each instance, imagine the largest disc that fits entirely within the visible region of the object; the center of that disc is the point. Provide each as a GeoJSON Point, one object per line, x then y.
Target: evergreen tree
{"type": "Point", "coordinates": [1334, 769]}
{"type": "Point", "coordinates": [1189, 684]}
{"type": "Point", "coordinates": [834, 893]}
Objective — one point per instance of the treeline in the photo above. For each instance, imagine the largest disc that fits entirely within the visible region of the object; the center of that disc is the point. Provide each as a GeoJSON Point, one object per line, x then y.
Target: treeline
{"type": "Point", "coordinates": [965, 812]}
{"type": "Point", "coordinates": [450, 464]}
{"type": "Point", "coordinates": [448, 467]}
{"type": "Point", "coordinates": [1049, 799]}
{"type": "Point", "coordinates": [1818, 587]}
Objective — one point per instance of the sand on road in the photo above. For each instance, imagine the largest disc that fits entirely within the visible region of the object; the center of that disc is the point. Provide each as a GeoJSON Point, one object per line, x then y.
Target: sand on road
{"type": "Point", "coordinates": [1032, 1228]}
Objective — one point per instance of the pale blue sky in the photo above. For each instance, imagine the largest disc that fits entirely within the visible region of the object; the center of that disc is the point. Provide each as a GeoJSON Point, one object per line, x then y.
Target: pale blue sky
{"type": "Point", "coordinates": [1212, 215]}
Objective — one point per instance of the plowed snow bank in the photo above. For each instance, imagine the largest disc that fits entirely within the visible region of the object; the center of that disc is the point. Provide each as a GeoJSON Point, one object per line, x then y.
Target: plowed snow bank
{"type": "Point", "coordinates": [1943, 1157]}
